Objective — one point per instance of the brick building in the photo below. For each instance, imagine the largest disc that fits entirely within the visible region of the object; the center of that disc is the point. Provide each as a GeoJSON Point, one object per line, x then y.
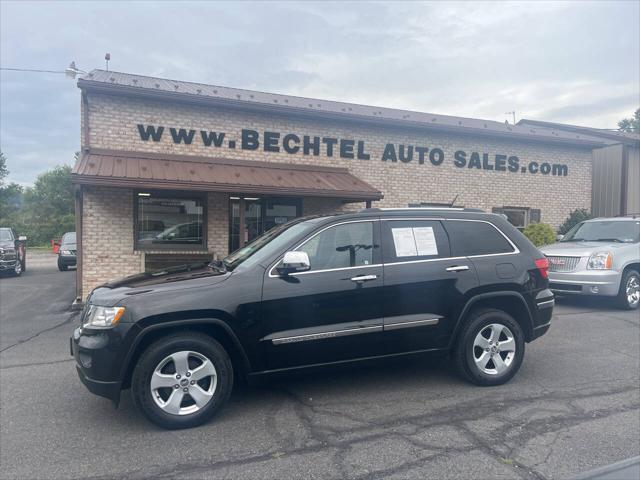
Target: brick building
{"type": "Point", "coordinates": [172, 171]}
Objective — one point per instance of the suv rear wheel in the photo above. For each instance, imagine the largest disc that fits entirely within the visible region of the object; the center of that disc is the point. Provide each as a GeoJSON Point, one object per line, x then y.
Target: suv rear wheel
{"type": "Point", "coordinates": [490, 348]}
{"type": "Point", "coordinates": [182, 381]}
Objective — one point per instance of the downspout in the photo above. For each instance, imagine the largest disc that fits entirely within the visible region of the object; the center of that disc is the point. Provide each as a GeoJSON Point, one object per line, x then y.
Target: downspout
{"type": "Point", "coordinates": [78, 195]}
{"type": "Point", "coordinates": [624, 181]}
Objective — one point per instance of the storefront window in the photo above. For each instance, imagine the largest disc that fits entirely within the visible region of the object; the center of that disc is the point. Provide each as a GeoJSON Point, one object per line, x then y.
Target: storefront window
{"type": "Point", "coordinates": [165, 221]}
{"type": "Point", "coordinates": [516, 216]}
{"type": "Point", "coordinates": [519, 217]}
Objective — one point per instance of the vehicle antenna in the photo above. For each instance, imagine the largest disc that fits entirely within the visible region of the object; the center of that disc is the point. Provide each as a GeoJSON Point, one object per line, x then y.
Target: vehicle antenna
{"type": "Point", "coordinates": [454, 200]}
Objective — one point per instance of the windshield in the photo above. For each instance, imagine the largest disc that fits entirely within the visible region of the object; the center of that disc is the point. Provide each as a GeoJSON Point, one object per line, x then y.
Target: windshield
{"type": "Point", "coordinates": [69, 238]}
{"type": "Point", "coordinates": [5, 235]}
{"type": "Point", "coordinates": [270, 242]}
{"type": "Point", "coordinates": [605, 231]}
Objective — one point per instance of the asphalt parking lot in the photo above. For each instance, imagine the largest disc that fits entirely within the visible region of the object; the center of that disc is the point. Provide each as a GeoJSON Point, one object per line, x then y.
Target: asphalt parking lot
{"type": "Point", "coordinates": [574, 406]}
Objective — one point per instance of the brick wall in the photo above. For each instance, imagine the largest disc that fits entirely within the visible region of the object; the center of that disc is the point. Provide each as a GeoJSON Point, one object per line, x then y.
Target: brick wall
{"type": "Point", "coordinates": [107, 236]}
{"type": "Point", "coordinates": [108, 250]}
{"type": "Point", "coordinates": [108, 213]}
{"type": "Point", "coordinates": [113, 125]}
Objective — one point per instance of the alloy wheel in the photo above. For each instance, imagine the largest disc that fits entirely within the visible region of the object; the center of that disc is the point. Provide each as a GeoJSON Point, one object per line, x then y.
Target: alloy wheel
{"type": "Point", "coordinates": [633, 290]}
{"type": "Point", "coordinates": [494, 349]}
{"type": "Point", "coordinates": [18, 268]}
{"type": "Point", "coordinates": [183, 383]}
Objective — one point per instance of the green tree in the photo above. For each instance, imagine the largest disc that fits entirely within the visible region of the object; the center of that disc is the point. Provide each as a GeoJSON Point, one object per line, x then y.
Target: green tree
{"type": "Point", "coordinates": [48, 207]}
{"type": "Point", "coordinates": [10, 197]}
{"type": "Point", "coordinates": [630, 125]}
{"type": "Point", "coordinates": [3, 169]}
{"type": "Point", "coordinates": [575, 217]}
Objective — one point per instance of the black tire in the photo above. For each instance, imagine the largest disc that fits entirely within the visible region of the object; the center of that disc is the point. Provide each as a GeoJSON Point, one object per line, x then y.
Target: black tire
{"type": "Point", "coordinates": [154, 355]}
{"type": "Point", "coordinates": [62, 267]}
{"type": "Point", "coordinates": [622, 300]}
{"type": "Point", "coordinates": [464, 352]}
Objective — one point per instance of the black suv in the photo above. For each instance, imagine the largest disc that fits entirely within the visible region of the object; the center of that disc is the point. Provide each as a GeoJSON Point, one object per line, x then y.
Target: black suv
{"type": "Point", "coordinates": [13, 252]}
{"type": "Point", "coordinates": [318, 291]}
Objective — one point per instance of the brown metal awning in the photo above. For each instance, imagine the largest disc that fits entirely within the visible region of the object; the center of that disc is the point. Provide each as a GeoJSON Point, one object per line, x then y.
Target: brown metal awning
{"type": "Point", "coordinates": [186, 172]}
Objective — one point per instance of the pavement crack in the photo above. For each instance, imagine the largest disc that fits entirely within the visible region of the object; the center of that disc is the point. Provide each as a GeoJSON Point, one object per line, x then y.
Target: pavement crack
{"type": "Point", "coordinates": [34, 364]}
{"type": "Point", "coordinates": [35, 335]}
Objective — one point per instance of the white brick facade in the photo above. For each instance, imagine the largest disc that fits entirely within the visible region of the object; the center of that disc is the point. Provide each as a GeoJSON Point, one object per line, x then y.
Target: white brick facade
{"type": "Point", "coordinates": [108, 247]}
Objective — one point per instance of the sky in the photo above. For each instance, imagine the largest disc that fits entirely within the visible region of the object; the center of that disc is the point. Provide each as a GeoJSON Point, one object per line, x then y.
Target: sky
{"type": "Point", "coordinates": [571, 62]}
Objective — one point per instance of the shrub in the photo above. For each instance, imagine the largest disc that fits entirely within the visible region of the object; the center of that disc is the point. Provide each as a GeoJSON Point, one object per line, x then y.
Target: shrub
{"type": "Point", "coordinates": [540, 234]}
{"type": "Point", "coordinates": [575, 217]}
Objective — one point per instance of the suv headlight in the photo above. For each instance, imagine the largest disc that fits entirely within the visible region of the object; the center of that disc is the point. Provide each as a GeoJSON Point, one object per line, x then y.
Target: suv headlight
{"type": "Point", "coordinates": [600, 261]}
{"type": "Point", "coordinates": [103, 317]}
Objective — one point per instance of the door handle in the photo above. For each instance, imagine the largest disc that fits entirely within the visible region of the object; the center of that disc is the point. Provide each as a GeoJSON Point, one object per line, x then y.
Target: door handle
{"type": "Point", "coordinates": [363, 278]}
{"type": "Point", "coordinates": [457, 268]}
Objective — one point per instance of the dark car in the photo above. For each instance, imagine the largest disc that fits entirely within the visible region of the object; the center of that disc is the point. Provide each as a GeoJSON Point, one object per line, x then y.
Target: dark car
{"type": "Point", "coordinates": [13, 252]}
{"type": "Point", "coordinates": [67, 252]}
{"type": "Point", "coordinates": [318, 291]}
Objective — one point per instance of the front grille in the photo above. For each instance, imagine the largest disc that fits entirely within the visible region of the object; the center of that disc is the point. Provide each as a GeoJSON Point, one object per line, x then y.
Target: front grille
{"type": "Point", "coordinates": [562, 264]}
{"type": "Point", "coordinates": [7, 254]}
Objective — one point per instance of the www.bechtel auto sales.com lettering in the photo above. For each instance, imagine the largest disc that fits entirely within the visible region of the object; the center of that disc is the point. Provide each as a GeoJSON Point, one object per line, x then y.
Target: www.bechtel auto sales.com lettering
{"type": "Point", "coordinates": [293, 144]}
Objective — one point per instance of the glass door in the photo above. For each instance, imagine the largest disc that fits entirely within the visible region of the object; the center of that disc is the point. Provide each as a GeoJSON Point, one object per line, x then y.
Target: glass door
{"type": "Point", "coordinates": [250, 217]}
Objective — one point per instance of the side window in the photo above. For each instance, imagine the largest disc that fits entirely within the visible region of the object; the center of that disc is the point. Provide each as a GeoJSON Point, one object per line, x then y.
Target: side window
{"type": "Point", "coordinates": [475, 238]}
{"type": "Point", "coordinates": [347, 245]}
{"type": "Point", "coordinates": [407, 240]}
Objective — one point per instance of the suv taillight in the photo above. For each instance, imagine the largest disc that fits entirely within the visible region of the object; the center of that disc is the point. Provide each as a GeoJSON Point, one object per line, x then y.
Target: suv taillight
{"type": "Point", "coordinates": [542, 264]}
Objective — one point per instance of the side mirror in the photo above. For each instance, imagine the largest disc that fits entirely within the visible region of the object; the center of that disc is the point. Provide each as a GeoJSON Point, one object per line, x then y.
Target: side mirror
{"type": "Point", "coordinates": [294, 262]}
{"type": "Point", "coordinates": [22, 238]}
{"type": "Point", "coordinates": [559, 237]}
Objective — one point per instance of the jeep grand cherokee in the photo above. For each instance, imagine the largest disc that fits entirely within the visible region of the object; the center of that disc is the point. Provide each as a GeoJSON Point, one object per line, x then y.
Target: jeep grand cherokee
{"type": "Point", "coordinates": [318, 291]}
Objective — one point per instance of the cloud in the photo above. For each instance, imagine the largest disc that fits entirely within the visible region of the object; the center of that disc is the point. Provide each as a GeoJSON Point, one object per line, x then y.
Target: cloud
{"type": "Point", "coordinates": [558, 61]}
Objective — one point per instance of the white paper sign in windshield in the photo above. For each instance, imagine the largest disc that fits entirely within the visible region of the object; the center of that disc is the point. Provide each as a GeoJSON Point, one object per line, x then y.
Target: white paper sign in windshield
{"type": "Point", "coordinates": [413, 242]}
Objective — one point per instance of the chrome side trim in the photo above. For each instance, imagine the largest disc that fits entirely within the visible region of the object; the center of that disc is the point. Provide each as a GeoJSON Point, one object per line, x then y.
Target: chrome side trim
{"type": "Point", "coordinates": [323, 335]}
{"type": "Point", "coordinates": [547, 304]}
{"type": "Point", "coordinates": [397, 209]}
{"type": "Point", "coordinates": [410, 324]}
{"type": "Point", "coordinates": [515, 251]}
{"type": "Point", "coordinates": [295, 274]}
{"type": "Point", "coordinates": [408, 262]}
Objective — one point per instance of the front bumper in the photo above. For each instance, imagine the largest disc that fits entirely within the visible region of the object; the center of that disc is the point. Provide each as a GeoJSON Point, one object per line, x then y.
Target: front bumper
{"type": "Point", "coordinates": [99, 356]}
{"type": "Point", "coordinates": [68, 260]}
{"type": "Point", "coordinates": [586, 282]}
{"type": "Point", "coordinates": [8, 264]}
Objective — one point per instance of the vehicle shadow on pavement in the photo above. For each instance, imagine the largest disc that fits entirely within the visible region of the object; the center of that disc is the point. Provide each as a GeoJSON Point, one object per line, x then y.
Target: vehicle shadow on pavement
{"type": "Point", "coordinates": [342, 383]}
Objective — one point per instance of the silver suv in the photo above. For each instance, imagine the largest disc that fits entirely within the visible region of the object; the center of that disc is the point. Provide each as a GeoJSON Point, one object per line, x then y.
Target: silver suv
{"type": "Point", "coordinates": [598, 257]}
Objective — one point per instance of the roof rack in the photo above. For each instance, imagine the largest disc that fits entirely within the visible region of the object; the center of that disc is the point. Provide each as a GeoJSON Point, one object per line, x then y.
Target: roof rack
{"type": "Point", "coordinates": [413, 209]}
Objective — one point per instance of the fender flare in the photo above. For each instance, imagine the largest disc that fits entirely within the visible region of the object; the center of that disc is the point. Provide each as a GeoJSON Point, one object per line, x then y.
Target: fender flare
{"type": "Point", "coordinates": [482, 296]}
{"type": "Point", "coordinates": [184, 323]}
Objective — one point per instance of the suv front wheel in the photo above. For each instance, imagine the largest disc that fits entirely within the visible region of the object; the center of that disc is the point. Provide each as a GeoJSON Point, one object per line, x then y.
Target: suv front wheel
{"type": "Point", "coordinates": [490, 348]}
{"type": "Point", "coordinates": [629, 294]}
{"type": "Point", "coordinates": [183, 380]}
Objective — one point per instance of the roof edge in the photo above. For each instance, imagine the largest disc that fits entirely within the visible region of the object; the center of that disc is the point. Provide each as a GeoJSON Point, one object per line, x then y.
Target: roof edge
{"type": "Point", "coordinates": [121, 182]}
{"type": "Point", "coordinates": [181, 97]}
{"type": "Point", "coordinates": [623, 137]}
{"type": "Point", "coordinates": [213, 160]}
